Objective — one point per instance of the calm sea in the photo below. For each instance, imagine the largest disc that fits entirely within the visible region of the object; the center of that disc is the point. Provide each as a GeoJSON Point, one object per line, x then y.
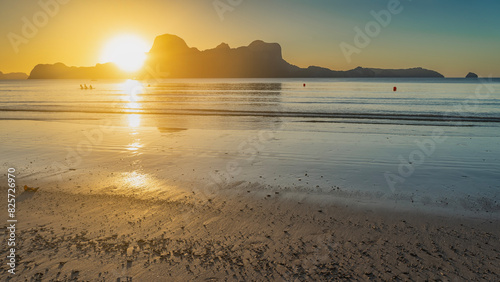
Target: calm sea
{"type": "Point", "coordinates": [416, 101]}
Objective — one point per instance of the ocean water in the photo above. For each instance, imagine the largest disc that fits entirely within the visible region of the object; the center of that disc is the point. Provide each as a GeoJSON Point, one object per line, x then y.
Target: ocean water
{"type": "Point", "coordinates": [357, 100]}
{"type": "Point", "coordinates": [433, 142]}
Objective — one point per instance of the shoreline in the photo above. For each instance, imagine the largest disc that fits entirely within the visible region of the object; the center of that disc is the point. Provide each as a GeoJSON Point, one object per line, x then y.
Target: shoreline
{"type": "Point", "coordinates": [147, 161]}
{"type": "Point", "coordinates": [241, 237]}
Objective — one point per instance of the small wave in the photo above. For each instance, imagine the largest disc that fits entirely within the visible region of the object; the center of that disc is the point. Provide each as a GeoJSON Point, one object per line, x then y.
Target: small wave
{"type": "Point", "coordinates": [284, 114]}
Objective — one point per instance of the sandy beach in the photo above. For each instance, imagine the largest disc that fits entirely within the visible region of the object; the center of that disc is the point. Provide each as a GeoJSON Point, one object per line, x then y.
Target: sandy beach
{"type": "Point", "coordinates": [253, 235]}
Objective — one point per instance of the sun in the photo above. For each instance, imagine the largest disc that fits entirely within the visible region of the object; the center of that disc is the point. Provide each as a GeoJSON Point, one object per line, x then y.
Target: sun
{"type": "Point", "coordinates": [127, 51]}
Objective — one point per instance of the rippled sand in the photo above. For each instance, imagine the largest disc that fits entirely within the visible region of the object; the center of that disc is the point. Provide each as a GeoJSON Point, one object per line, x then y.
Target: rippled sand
{"type": "Point", "coordinates": [254, 234]}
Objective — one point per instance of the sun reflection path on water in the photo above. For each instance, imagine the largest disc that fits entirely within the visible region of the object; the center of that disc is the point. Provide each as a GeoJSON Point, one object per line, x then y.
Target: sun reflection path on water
{"type": "Point", "coordinates": [133, 90]}
{"type": "Point", "coordinates": [135, 179]}
{"type": "Point", "coordinates": [134, 120]}
{"type": "Point", "coordinates": [139, 184]}
{"type": "Point", "coordinates": [134, 147]}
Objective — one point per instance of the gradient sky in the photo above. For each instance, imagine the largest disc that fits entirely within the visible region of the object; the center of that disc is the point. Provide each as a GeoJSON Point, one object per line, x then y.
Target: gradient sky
{"type": "Point", "coordinates": [449, 36]}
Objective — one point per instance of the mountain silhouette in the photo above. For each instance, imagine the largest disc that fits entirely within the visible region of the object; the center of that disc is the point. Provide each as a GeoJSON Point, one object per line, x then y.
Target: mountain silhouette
{"type": "Point", "coordinates": [60, 70]}
{"type": "Point", "coordinates": [171, 57]}
{"type": "Point", "coordinates": [13, 75]}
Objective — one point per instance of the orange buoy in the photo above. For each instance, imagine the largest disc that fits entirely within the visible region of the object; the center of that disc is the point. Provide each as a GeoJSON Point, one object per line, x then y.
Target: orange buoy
{"type": "Point", "coordinates": [395, 89]}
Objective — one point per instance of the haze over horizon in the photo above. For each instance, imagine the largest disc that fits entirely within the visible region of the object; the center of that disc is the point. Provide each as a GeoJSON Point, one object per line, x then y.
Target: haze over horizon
{"type": "Point", "coordinates": [451, 37]}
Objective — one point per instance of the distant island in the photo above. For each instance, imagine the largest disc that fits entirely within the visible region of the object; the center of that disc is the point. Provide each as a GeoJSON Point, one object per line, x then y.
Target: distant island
{"type": "Point", "coordinates": [13, 75]}
{"type": "Point", "coordinates": [471, 75]}
{"type": "Point", "coordinates": [172, 57]}
{"type": "Point", "coordinates": [62, 71]}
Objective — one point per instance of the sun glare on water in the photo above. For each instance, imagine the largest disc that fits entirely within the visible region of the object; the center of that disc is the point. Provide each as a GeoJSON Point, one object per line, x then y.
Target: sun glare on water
{"type": "Point", "coordinates": [128, 52]}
